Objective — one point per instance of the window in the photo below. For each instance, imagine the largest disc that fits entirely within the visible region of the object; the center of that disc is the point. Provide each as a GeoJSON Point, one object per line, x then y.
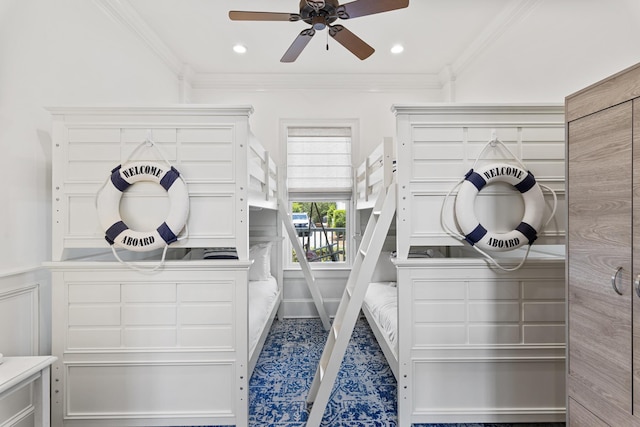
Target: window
{"type": "Point", "coordinates": [319, 183]}
{"type": "Point", "coordinates": [319, 160]}
{"type": "Point", "coordinates": [322, 229]}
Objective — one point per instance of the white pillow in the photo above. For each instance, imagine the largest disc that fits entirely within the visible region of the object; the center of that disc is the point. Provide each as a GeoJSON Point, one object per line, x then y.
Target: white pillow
{"type": "Point", "coordinates": [261, 256]}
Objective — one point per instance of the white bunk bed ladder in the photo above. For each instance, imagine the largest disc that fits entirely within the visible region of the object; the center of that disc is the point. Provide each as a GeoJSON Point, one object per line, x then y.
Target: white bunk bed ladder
{"type": "Point", "coordinates": [350, 304]}
{"type": "Point", "coordinates": [304, 264]}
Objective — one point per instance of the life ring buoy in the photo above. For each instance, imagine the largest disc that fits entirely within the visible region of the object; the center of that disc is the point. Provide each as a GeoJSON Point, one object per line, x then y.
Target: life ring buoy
{"type": "Point", "coordinates": [108, 206]}
{"type": "Point", "coordinates": [534, 207]}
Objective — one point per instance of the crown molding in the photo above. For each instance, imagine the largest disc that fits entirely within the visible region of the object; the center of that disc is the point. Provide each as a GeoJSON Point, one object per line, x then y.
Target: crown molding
{"type": "Point", "coordinates": [123, 13]}
{"type": "Point", "coordinates": [533, 111]}
{"type": "Point", "coordinates": [110, 111]}
{"type": "Point", "coordinates": [255, 82]}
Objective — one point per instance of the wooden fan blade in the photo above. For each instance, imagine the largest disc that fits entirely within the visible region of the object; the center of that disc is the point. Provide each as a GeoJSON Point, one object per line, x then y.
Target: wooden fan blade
{"type": "Point", "coordinates": [353, 43]}
{"type": "Point", "coordinates": [298, 45]}
{"type": "Point", "coordinates": [359, 8]}
{"type": "Point", "coordinates": [238, 15]}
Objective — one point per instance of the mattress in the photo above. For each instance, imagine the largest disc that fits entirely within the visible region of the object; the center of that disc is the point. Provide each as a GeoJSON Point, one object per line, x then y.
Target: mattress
{"type": "Point", "coordinates": [381, 301]}
{"type": "Point", "coordinates": [263, 295]}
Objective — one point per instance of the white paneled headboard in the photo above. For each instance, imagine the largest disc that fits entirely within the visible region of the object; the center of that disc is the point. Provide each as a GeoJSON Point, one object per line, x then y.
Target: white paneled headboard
{"type": "Point", "coordinates": [209, 145]}
{"type": "Point", "coordinates": [438, 143]}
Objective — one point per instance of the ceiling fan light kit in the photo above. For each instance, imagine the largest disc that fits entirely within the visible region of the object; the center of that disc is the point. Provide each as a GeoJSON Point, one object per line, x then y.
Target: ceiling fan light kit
{"type": "Point", "coordinates": [320, 15]}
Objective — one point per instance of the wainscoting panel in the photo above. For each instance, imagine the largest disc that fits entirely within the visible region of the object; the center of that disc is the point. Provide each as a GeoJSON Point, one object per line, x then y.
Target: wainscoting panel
{"type": "Point", "coordinates": [24, 331]}
{"type": "Point", "coordinates": [20, 305]}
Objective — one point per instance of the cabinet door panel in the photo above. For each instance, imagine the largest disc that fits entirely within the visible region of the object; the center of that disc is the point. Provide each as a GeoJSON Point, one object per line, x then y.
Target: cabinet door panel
{"type": "Point", "coordinates": [580, 417]}
{"type": "Point", "coordinates": [636, 259]}
{"type": "Point", "coordinates": [599, 242]}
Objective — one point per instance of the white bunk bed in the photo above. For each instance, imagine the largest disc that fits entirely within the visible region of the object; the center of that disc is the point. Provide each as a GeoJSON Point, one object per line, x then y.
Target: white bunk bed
{"type": "Point", "coordinates": [174, 346]}
{"type": "Point", "coordinates": [472, 343]}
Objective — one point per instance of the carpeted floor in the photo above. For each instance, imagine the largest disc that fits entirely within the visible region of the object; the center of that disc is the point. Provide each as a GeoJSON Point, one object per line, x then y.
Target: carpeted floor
{"type": "Point", "coordinates": [364, 394]}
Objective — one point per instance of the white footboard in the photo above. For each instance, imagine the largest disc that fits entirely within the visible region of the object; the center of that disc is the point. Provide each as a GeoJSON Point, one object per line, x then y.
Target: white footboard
{"type": "Point", "coordinates": [479, 345]}
{"type": "Point", "coordinates": [161, 349]}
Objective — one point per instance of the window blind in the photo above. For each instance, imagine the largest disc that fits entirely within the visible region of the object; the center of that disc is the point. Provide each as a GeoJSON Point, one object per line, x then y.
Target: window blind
{"type": "Point", "coordinates": [319, 160]}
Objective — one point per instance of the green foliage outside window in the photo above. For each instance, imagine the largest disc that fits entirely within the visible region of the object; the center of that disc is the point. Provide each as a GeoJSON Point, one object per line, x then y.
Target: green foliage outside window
{"type": "Point", "coordinates": [325, 210]}
{"type": "Point", "coordinates": [339, 218]}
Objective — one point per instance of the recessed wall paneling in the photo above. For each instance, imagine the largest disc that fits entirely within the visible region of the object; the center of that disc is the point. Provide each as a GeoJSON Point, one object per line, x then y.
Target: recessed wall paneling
{"type": "Point", "coordinates": [99, 391]}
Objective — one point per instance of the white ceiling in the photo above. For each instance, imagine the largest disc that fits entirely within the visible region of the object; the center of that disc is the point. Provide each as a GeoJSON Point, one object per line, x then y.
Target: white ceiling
{"type": "Point", "coordinates": [198, 36]}
{"type": "Point", "coordinates": [573, 41]}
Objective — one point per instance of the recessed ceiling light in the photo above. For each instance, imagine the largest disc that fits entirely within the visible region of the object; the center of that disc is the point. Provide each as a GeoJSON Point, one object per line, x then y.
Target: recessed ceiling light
{"type": "Point", "coordinates": [397, 48]}
{"type": "Point", "coordinates": [239, 48]}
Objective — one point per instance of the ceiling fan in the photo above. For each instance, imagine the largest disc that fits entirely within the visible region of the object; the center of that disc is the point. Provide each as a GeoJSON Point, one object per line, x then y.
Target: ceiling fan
{"type": "Point", "coordinates": [320, 15]}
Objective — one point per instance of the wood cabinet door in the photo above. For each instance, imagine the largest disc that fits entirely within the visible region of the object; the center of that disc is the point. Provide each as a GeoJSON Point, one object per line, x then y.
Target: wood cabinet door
{"type": "Point", "coordinates": [636, 260]}
{"type": "Point", "coordinates": [599, 248]}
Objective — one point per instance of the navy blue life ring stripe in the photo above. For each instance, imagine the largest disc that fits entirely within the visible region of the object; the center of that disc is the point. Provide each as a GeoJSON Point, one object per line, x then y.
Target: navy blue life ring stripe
{"type": "Point", "coordinates": [169, 178]}
{"type": "Point", "coordinates": [475, 178]}
{"type": "Point", "coordinates": [117, 180]}
{"type": "Point", "coordinates": [475, 236]}
{"type": "Point", "coordinates": [529, 232]}
{"type": "Point", "coordinates": [167, 235]}
{"type": "Point", "coordinates": [526, 184]}
{"type": "Point", "coordinates": [114, 231]}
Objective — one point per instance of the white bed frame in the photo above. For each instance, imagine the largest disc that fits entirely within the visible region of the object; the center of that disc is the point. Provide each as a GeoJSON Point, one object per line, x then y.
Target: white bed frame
{"type": "Point", "coordinates": [475, 344]}
{"type": "Point", "coordinates": [166, 348]}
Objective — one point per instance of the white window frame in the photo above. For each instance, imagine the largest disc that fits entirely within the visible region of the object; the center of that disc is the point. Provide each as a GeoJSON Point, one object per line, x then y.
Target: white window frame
{"type": "Point", "coordinates": [354, 125]}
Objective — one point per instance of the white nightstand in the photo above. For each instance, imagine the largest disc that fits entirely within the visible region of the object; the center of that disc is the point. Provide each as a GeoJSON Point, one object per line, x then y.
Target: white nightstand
{"type": "Point", "coordinates": [17, 374]}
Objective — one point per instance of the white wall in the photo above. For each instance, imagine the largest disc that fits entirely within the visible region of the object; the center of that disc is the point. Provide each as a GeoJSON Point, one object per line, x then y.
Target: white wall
{"type": "Point", "coordinates": [52, 53]}
{"type": "Point", "coordinates": [62, 52]}
{"type": "Point", "coordinates": [371, 109]}
{"type": "Point", "coordinates": [573, 44]}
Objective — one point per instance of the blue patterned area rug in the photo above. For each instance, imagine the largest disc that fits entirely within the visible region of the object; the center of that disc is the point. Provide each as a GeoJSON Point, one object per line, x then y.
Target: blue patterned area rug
{"type": "Point", "coordinates": [364, 394]}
